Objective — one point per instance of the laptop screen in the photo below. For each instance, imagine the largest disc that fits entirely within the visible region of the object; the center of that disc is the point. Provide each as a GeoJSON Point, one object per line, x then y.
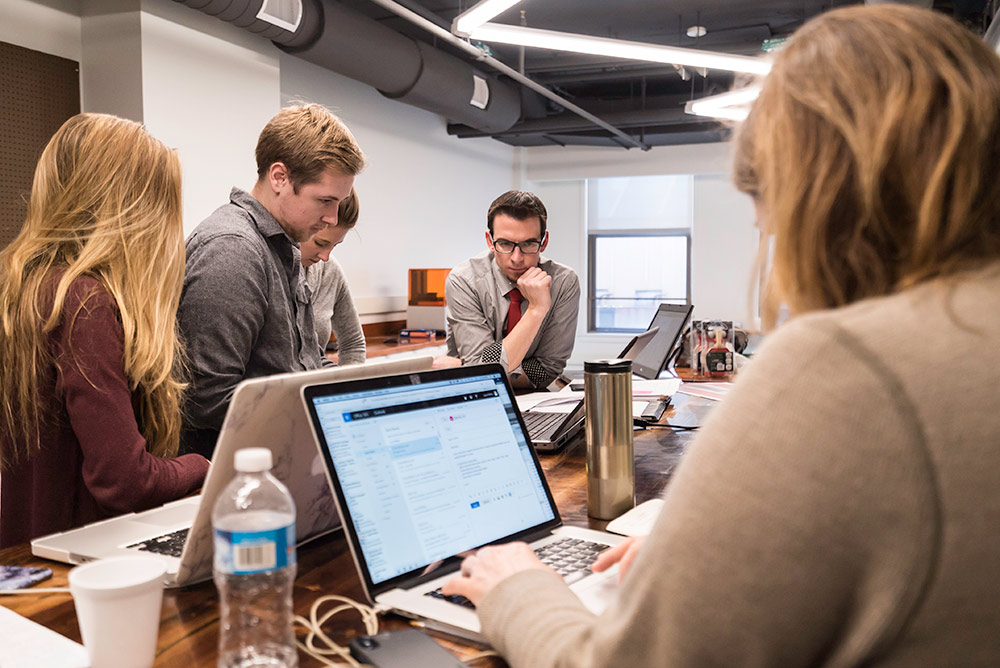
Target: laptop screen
{"type": "Point", "coordinates": [427, 466]}
{"type": "Point", "coordinates": [669, 322]}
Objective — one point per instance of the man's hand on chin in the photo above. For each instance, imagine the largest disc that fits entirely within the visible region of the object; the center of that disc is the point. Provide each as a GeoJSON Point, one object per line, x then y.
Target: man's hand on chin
{"type": "Point", "coordinates": [535, 286]}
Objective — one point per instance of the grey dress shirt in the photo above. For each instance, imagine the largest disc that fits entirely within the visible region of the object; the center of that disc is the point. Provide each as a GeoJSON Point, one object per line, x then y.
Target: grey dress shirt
{"type": "Point", "coordinates": [334, 310]}
{"type": "Point", "coordinates": [477, 299]}
{"type": "Point", "coordinates": [244, 312]}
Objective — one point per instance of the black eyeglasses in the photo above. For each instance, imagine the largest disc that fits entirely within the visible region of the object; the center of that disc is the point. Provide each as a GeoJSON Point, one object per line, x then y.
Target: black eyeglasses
{"type": "Point", "coordinates": [529, 247]}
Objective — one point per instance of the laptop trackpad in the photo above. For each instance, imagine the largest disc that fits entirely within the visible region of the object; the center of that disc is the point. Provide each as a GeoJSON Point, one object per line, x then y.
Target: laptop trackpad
{"type": "Point", "coordinates": [598, 590]}
{"type": "Point", "coordinates": [169, 515]}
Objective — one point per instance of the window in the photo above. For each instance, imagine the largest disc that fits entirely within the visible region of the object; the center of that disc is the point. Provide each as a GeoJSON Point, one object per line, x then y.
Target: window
{"type": "Point", "coordinates": [639, 248]}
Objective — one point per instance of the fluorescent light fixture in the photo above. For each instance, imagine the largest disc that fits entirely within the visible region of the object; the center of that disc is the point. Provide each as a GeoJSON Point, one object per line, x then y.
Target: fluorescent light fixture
{"type": "Point", "coordinates": [734, 105]}
{"type": "Point", "coordinates": [478, 14]}
{"type": "Point", "coordinates": [616, 48]}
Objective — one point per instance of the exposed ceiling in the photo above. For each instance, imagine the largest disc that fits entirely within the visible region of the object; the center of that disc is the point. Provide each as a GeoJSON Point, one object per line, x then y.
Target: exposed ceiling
{"type": "Point", "coordinates": [642, 99]}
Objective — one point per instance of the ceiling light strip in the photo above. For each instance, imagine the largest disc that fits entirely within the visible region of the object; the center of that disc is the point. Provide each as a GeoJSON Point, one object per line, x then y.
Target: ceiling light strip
{"type": "Point", "coordinates": [479, 14]}
{"type": "Point", "coordinates": [733, 105]}
{"type": "Point", "coordinates": [616, 48]}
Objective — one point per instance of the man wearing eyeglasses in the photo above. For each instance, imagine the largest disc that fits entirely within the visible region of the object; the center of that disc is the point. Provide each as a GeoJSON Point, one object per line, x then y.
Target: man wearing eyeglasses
{"type": "Point", "coordinates": [510, 305]}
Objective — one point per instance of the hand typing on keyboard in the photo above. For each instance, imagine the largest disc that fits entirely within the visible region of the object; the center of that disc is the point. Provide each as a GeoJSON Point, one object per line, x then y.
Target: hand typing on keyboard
{"type": "Point", "coordinates": [570, 558]}
{"type": "Point", "coordinates": [623, 554]}
{"type": "Point", "coordinates": [485, 569]}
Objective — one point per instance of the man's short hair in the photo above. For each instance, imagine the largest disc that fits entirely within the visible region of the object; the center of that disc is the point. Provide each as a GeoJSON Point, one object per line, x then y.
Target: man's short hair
{"type": "Point", "coordinates": [309, 139]}
{"type": "Point", "coordinates": [519, 205]}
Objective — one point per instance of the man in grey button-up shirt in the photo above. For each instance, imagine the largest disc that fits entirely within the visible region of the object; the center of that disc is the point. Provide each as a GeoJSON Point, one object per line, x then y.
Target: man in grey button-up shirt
{"type": "Point", "coordinates": [244, 310]}
{"type": "Point", "coordinates": [478, 293]}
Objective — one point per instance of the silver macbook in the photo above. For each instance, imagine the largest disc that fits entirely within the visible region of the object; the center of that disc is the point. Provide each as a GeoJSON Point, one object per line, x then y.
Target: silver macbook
{"type": "Point", "coordinates": [551, 430]}
{"type": "Point", "coordinates": [264, 412]}
{"type": "Point", "coordinates": [429, 466]}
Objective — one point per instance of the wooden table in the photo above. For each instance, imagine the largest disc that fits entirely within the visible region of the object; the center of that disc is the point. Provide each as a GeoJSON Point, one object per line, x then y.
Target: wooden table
{"type": "Point", "coordinates": [377, 347]}
{"type": "Point", "coordinates": [189, 625]}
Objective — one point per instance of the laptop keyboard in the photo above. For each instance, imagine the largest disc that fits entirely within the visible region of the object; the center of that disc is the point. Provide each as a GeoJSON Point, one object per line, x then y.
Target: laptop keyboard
{"type": "Point", "coordinates": [171, 544]}
{"type": "Point", "coordinates": [539, 423]}
{"type": "Point", "coordinates": [569, 557]}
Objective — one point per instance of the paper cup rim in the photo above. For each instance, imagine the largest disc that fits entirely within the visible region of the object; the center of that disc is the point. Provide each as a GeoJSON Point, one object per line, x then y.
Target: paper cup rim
{"type": "Point", "coordinates": [146, 571]}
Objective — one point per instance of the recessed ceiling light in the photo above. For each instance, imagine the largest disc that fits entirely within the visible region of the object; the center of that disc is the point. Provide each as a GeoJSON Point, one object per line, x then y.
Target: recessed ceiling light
{"type": "Point", "coordinates": [697, 31]}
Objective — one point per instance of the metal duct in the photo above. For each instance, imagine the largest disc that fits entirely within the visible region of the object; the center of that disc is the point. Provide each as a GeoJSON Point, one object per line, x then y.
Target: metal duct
{"type": "Point", "coordinates": [347, 42]}
{"type": "Point", "coordinates": [243, 14]}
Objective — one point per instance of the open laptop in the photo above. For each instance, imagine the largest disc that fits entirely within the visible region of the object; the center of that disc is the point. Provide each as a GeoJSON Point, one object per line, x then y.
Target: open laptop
{"type": "Point", "coordinates": [649, 351]}
{"type": "Point", "coordinates": [662, 342]}
{"type": "Point", "coordinates": [426, 467]}
{"type": "Point", "coordinates": [550, 428]}
{"type": "Point", "coordinates": [264, 412]}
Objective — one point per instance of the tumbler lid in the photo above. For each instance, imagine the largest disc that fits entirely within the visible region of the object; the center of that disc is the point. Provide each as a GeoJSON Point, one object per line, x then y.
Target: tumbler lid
{"type": "Point", "coordinates": [608, 366]}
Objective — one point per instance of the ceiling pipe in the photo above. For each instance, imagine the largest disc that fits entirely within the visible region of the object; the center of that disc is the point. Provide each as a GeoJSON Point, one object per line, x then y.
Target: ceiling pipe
{"type": "Point", "coordinates": [543, 126]}
{"type": "Point", "coordinates": [620, 74]}
{"type": "Point", "coordinates": [335, 37]}
{"type": "Point", "coordinates": [482, 57]}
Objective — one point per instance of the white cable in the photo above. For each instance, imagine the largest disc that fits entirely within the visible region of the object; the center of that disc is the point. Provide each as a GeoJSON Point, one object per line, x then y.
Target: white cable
{"type": "Point", "coordinates": [41, 590]}
{"type": "Point", "coordinates": [314, 625]}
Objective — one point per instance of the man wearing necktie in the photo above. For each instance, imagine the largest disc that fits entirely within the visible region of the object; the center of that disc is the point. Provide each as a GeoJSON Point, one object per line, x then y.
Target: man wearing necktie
{"type": "Point", "coordinates": [510, 305]}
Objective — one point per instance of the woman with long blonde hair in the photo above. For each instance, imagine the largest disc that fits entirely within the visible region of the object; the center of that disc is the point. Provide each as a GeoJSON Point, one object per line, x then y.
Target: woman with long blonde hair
{"type": "Point", "coordinates": [840, 507]}
{"type": "Point", "coordinates": [90, 391]}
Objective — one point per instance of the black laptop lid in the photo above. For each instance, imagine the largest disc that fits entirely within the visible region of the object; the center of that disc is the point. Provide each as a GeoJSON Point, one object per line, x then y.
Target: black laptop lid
{"type": "Point", "coordinates": [427, 466]}
{"type": "Point", "coordinates": [669, 321]}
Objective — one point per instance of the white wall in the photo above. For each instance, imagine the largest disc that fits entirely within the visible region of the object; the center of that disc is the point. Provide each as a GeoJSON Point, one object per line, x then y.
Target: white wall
{"type": "Point", "coordinates": [51, 27]}
{"type": "Point", "coordinates": [423, 196]}
{"type": "Point", "coordinates": [207, 90]}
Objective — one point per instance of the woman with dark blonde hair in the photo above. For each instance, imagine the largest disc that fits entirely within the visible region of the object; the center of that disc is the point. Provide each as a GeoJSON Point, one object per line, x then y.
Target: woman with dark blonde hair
{"type": "Point", "coordinates": [90, 392]}
{"type": "Point", "coordinates": [332, 305]}
{"type": "Point", "coordinates": [840, 507]}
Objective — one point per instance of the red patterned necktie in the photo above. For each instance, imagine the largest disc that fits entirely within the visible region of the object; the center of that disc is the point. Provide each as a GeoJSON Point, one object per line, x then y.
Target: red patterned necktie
{"type": "Point", "coordinates": [514, 312]}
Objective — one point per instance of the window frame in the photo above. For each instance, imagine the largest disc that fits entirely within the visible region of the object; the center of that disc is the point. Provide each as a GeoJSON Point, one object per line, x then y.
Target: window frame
{"type": "Point", "coordinates": [592, 238]}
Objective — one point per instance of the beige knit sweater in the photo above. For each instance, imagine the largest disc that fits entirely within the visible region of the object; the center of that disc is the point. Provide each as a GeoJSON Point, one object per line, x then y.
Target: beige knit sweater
{"type": "Point", "coordinates": [840, 508]}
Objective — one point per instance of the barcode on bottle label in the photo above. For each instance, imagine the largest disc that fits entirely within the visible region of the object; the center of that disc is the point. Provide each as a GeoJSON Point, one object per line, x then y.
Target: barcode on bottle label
{"type": "Point", "coordinates": [254, 557]}
{"type": "Point", "coordinates": [243, 552]}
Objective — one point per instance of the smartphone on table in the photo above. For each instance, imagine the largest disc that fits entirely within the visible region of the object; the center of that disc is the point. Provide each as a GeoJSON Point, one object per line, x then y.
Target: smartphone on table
{"type": "Point", "coordinates": [405, 648]}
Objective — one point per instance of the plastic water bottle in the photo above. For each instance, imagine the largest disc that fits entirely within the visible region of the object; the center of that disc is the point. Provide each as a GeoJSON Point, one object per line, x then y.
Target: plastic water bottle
{"type": "Point", "coordinates": [254, 522]}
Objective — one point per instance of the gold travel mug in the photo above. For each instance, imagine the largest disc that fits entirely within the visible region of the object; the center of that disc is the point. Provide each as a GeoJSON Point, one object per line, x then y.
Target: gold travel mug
{"type": "Point", "coordinates": [607, 388]}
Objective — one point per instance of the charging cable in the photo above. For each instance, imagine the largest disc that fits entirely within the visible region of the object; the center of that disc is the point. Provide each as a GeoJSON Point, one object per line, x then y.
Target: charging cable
{"type": "Point", "coordinates": [314, 626]}
{"type": "Point", "coordinates": [40, 590]}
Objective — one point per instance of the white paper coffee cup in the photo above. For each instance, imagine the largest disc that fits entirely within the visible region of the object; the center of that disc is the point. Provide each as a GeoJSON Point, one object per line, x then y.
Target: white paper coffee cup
{"type": "Point", "coordinates": [118, 604]}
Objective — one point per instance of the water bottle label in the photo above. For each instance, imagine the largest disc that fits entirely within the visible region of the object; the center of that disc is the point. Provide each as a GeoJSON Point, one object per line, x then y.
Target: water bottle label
{"type": "Point", "coordinates": [244, 552]}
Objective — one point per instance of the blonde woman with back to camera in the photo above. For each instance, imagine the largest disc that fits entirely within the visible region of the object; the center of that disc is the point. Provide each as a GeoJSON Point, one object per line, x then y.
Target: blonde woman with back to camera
{"type": "Point", "coordinates": [840, 507]}
{"type": "Point", "coordinates": [91, 389]}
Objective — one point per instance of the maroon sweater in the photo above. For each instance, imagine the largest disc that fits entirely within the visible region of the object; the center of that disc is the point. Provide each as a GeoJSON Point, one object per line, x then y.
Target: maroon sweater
{"type": "Point", "coordinates": [93, 462]}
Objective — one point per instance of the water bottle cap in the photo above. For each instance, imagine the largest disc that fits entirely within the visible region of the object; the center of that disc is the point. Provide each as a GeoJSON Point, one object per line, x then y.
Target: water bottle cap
{"type": "Point", "coordinates": [252, 460]}
{"type": "Point", "coordinates": [608, 366]}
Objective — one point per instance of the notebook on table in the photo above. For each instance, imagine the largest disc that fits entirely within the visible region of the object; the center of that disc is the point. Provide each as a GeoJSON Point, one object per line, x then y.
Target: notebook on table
{"type": "Point", "coordinates": [428, 466]}
{"type": "Point", "coordinates": [264, 412]}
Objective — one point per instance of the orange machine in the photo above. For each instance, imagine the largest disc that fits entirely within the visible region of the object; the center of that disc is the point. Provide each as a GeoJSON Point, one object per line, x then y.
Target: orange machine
{"type": "Point", "coordinates": [425, 303]}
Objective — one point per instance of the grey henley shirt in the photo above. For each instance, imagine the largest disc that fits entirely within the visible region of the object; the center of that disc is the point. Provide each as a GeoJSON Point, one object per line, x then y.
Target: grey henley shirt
{"type": "Point", "coordinates": [244, 312]}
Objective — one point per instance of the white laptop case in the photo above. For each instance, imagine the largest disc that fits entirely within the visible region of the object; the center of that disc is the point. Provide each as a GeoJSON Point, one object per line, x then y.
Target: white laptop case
{"type": "Point", "coordinates": [264, 412]}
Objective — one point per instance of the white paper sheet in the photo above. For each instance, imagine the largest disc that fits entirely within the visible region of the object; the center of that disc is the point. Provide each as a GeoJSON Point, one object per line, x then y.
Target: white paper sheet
{"type": "Point", "coordinates": [26, 643]}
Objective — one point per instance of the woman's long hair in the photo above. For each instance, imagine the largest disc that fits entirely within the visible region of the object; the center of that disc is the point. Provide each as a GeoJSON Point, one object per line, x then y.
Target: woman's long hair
{"type": "Point", "coordinates": [105, 203]}
{"type": "Point", "coordinates": [873, 152]}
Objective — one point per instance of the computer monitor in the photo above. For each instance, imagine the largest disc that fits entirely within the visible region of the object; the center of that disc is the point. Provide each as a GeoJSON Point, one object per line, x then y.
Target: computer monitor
{"type": "Point", "coordinates": [669, 321]}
